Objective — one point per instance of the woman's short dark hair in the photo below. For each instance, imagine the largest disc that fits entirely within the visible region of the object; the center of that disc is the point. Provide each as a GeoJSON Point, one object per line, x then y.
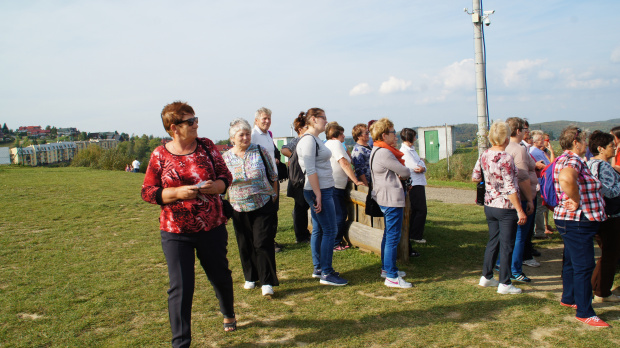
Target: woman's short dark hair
{"type": "Point", "coordinates": [569, 134]}
{"type": "Point", "coordinates": [616, 131]}
{"type": "Point", "coordinates": [598, 138]}
{"type": "Point", "coordinates": [408, 134]}
{"type": "Point", "coordinates": [333, 130]}
{"type": "Point", "coordinates": [358, 130]}
{"type": "Point", "coordinates": [173, 113]}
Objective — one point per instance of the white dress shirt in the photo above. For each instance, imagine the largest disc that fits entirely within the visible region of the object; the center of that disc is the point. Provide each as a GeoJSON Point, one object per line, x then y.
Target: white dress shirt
{"type": "Point", "coordinates": [264, 140]}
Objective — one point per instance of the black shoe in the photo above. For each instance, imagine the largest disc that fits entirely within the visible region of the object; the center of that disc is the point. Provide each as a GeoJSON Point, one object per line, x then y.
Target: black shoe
{"type": "Point", "coordinates": [277, 247]}
{"type": "Point", "coordinates": [307, 240]}
{"type": "Point", "coordinates": [414, 253]}
{"type": "Point", "coordinates": [535, 252]}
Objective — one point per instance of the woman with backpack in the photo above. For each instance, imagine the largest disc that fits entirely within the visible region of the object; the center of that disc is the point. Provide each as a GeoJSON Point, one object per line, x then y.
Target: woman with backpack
{"type": "Point", "coordinates": [314, 161]}
{"type": "Point", "coordinates": [603, 148]}
{"type": "Point", "coordinates": [578, 216]}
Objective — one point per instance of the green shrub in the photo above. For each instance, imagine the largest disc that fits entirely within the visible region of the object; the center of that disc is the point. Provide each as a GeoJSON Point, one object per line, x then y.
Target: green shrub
{"type": "Point", "coordinates": [461, 166]}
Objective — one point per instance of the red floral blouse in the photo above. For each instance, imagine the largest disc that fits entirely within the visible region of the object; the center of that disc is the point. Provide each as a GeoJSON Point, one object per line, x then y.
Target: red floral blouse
{"type": "Point", "coordinates": [168, 170]}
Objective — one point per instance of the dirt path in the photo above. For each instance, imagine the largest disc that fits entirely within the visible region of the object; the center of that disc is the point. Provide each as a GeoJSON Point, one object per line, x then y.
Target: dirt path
{"type": "Point", "coordinates": [451, 195]}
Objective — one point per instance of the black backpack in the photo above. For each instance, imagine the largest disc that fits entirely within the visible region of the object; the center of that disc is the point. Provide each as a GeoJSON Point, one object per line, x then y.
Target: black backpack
{"type": "Point", "coordinates": [296, 176]}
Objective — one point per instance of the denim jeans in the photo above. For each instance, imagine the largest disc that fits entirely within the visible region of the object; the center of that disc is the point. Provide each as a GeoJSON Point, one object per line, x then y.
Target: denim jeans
{"type": "Point", "coordinates": [391, 237]}
{"type": "Point", "coordinates": [578, 263]}
{"type": "Point", "coordinates": [324, 229]}
{"type": "Point", "coordinates": [340, 205]}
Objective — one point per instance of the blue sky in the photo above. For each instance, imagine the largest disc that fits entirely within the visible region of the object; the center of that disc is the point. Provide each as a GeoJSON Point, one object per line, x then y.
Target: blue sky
{"type": "Point", "coordinates": [113, 65]}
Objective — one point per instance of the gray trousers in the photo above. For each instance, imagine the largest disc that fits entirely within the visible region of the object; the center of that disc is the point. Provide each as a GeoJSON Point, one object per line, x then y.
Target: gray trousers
{"type": "Point", "coordinates": [539, 219]}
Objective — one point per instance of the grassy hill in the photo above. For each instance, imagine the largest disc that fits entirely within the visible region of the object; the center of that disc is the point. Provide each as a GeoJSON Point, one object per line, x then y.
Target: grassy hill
{"type": "Point", "coordinates": [467, 131]}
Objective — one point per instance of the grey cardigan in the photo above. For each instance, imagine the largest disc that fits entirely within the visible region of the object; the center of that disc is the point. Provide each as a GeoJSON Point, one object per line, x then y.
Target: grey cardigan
{"type": "Point", "coordinates": [386, 187]}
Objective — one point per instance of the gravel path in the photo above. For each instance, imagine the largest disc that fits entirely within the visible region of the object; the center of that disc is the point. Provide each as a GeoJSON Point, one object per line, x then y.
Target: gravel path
{"type": "Point", "coordinates": [451, 195]}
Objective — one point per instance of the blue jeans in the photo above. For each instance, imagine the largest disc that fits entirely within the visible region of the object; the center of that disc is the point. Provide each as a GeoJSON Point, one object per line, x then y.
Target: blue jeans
{"type": "Point", "coordinates": [340, 205]}
{"type": "Point", "coordinates": [523, 233]}
{"type": "Point", "coordinates": [391, 237]}
{"type": "Point", "coordinates": [578, 263]}
{"type": "Point", "coordinates": [324, 229]}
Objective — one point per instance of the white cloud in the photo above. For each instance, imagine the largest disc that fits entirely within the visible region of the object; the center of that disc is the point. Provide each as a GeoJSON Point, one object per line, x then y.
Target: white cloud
{"type": "Point", "coordinates": [360, 89]}
{"type": "Point", "coordinates": [615, 55]}
{"type": "Point", "coordinates": [545, 75]}
{"type": "Point", "coordinates": [393, 85]}
{"type": "Point", "coordinates": [584, 80]}
{"type": "Point", "coordinates": [459, 75]}
{"type": "Point", "coordinates": [517, 72]}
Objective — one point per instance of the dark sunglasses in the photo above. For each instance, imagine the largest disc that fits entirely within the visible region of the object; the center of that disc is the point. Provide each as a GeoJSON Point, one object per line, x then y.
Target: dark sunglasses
{"type": "Point", "coordinates": [190, 121]}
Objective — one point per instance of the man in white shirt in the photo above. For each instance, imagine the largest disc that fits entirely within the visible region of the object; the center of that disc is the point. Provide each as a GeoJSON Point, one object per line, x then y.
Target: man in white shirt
{"type": "Point", "coordinates": [136, 165]}
{"type": "Point", "coordinates": [260, 133]}
{"type": "Point", "coordinates": [261, 136]}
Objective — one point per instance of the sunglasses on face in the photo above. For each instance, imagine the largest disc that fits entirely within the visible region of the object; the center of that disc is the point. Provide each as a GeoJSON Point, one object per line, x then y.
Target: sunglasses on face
{"type": "Point", "coordinates": [190, 121]}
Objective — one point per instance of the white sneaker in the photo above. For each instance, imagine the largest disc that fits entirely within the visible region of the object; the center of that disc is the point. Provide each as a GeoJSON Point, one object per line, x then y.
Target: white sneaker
{"type": "Point", "coordinates": [267, 290]}
{"type": "Point", "coordinates": [420, 241]}
{"type": "Point", "coordinates": [508, 289]}
{"type": "Point", "coordinates": [400, 274]}
{"type": "Point", "coordinates": [531, 262]}
{"type": "Point", "coordinates": [488, 282]}
{"type": "Point", "coordinates": [249, 285]}
{"type": "Point", "coordinates": [397, 283]}
{"type": "Point", "coordinates": [610, 298]}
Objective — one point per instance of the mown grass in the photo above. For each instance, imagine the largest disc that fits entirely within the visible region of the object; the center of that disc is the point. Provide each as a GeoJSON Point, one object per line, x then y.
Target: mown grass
{"type": "Point", "coordinates": [81, 266]}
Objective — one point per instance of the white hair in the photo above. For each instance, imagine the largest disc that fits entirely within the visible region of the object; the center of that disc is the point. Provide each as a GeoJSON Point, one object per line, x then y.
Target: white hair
{"type": "Point", "coordinates": [537, 135]}
{"type": "Point", "coordinates": [261, 111]}
{"type": "Point", "coordinates": [238, 124]}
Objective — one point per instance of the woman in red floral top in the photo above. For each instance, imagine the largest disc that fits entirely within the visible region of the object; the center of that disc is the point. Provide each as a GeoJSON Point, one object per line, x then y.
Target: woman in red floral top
{"type": "Point", "coordinates": [185, 177]}
{"type": "Point", "coordinates": [578, 216]}
{"type": "Point", "coordinates": [502, 207]}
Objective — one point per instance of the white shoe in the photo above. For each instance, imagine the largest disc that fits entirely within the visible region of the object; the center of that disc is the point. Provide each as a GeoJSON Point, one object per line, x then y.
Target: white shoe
{"type": "Point", "coordinates": [397, 283]}
{"type": "Point", "coordinates": [267, 290]}
{"type": "Point", "coordinates": [531, 262]}
{"type": "Point", "coordinates": [249, 285]}
{"type": "Point", "coordinates": [610, 298]}
{"type": "Point", "coordinates": [508, 289]}
{"type": "Point", "coordinates": [400, 274]}
{"type": "Point", "coordinates": [420, 241]}
{"type": "Point", "coordinates": [488, 282]}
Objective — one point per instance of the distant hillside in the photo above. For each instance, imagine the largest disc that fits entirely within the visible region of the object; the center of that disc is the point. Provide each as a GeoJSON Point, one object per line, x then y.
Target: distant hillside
{"type": "Point", "coordinates": [465, 132]}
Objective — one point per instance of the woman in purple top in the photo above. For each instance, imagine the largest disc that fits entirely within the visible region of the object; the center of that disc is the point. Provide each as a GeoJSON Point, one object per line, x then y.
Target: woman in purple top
{"type": "Point", "coordinates": [502, 207]}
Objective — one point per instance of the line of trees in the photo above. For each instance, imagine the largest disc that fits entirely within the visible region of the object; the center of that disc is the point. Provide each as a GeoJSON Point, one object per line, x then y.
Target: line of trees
{"type": "Point", "coordinates": [124, 153]}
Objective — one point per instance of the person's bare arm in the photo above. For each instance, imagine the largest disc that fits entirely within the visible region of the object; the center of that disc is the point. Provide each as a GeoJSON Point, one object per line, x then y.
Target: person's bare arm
{"type": "Point", "coordinates": [346, 166]}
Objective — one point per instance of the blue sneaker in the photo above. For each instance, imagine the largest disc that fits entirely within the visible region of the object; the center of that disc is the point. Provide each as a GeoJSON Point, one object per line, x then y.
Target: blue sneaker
{"type": "Point", "coordinates": [496, 268]}
{"type": "Point", "coordinates": [333, 279]}
{"type": "Point", "coordinates": [317, 273]}
{"type": "Point", "coordinates": [520, 278]}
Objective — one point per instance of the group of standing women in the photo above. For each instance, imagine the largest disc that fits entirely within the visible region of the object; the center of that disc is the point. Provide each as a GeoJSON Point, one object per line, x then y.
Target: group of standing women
{"type": "Point", "coordinates": [187, 177]}
{"type": "Point", "coordinates": [579, 216]}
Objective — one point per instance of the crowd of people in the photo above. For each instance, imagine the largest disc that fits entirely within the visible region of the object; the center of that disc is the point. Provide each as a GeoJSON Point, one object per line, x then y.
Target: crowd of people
{"type": "Point", "coordinates": [586, 185]}
{"type": "Point", "coordinates": [188, 177]}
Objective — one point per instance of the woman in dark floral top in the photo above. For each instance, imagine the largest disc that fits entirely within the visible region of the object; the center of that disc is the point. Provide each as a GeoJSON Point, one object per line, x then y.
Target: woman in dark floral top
{"type": "Point", "coordinates": [502, 207]}
{"type": "Point", "coordinates": [185, 177]}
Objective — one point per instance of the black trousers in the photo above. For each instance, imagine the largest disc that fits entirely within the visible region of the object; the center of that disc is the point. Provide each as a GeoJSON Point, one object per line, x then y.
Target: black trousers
{"type": "Point", "coordinates": [608, 239]}
{"type": "Point", "coordinates": [211, 250]}
{"type": "Point", "coordinates": [255, 231]}
{"type": "Point", "coordinates": [300, 220]}
{"type": "Point", "coordinates": [502, 233]}
{"type": "Point", "coordinates": [417, 218]}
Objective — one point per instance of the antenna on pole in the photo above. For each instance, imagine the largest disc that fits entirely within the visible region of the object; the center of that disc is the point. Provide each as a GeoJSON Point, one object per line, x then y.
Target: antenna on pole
{"type": "Point", "coordinates": [478, 17]}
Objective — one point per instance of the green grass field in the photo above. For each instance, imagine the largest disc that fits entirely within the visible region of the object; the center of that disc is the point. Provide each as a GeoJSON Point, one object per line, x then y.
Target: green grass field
{"type": "Point", "coordinates": [81, 266]}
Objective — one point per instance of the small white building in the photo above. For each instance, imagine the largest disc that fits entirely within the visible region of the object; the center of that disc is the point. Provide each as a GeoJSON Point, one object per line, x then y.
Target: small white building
{"type": "Point", "coordinates": [435, 143]}
{"type": "Point", "coordinates": [279, 142]}
{"type": "Point", "coordinates": [5, 155]}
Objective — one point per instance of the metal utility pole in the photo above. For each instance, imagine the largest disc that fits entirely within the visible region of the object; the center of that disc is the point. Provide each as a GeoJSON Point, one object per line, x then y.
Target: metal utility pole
{"type": "Point", "coordinates": [478, 17]}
